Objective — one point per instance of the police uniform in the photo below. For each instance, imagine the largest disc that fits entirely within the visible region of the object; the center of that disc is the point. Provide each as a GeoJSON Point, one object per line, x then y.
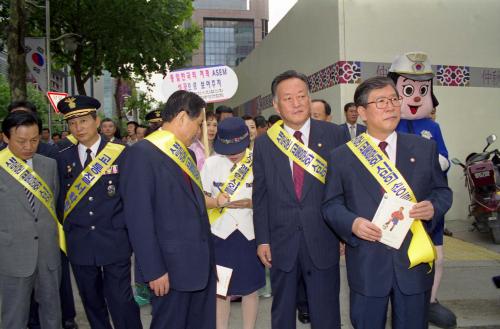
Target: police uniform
{"type": "Point", "coordinates": [97, 242]}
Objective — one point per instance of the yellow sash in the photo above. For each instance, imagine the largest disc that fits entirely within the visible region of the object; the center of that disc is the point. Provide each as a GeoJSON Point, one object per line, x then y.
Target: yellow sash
{"type": "Point", "coordinates": [30, 180]}
{"type": "Point", "coordinates": [90, 175]}
{"type": "Point", "coordinates": [234, 182]}
{"type": "Point", "coordinates": [72, 139]}
{"type": "Point", "coordinates": [175, 150]}
{"type": "Point", "coordinates": [313, 163]}
{"type": "Point", "coordinates": [421, 249]}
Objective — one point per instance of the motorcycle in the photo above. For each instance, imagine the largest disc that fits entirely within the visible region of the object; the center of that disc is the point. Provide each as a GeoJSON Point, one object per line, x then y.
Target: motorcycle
{"type": "Point", "coordinates": [482, 179]}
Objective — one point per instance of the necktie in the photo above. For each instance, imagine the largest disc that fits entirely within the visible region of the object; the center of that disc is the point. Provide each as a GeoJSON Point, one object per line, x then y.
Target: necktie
{"type": "Point", "coordinates": [382, 145]}
{"type": "Point", "coordinates": [88, 160]}
{"type": "Point", "coordinates": [352, 130]}
{"type": "Point", "coordinates": [298, 171]}
{"type": "Point", "coordinates": [31, 197]}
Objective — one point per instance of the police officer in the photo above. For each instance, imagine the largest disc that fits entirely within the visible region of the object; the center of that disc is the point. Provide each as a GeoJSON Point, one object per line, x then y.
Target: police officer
{"type": "Point", "coordinates": [91, 206]}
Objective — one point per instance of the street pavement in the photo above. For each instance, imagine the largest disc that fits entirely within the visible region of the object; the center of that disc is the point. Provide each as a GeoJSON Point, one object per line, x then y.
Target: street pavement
{"type": "Point", "coordinates": [471, 260]}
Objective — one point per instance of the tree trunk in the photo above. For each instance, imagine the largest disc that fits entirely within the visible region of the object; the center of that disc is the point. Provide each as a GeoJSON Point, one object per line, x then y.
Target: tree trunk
{"type": "Point", "coordinates": [16, 53]}
{"type": "Point", "coordinates": [77, 71]}
{"type": "Point", "coordinates": [118, 101]}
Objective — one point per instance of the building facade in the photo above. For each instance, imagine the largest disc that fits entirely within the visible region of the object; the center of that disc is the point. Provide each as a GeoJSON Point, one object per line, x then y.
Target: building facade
{"type": "Point", "coordinates": [231, 30]}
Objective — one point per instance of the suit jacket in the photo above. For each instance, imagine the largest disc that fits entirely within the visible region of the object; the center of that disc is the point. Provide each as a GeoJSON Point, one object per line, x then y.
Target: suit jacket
{"type": "Point", "coordinates": [166, 219]}
{"type": "Point", "coordinates": [347, 135]}
{"type": "Point", "coordinates": [26, 237]}
{"type": "Point", "coordinates": [95, 228]}
{"type": "Point", "coordinates": [353, 192]}
{"type": "Point", "coordinates": [279, 218]}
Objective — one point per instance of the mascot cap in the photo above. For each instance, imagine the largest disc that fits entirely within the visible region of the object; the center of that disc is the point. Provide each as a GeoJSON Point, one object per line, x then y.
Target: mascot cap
{"type": "Point", "coordinates": [414, 65]}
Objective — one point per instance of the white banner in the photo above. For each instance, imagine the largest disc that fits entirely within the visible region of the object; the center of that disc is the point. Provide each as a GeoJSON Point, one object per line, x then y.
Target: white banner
{"type": "Point", "coordinates": [36, 62]}
{"type": "Point", "coordinates": [212, 83]}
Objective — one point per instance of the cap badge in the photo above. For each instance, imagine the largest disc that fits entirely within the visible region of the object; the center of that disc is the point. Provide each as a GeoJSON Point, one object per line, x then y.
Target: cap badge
{"type": "Point", "coordinates": [71, 102]}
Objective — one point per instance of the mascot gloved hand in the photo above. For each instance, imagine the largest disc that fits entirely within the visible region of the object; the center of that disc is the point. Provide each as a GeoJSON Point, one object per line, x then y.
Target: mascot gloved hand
{"type": "Point", "coordinates": [412, 74]}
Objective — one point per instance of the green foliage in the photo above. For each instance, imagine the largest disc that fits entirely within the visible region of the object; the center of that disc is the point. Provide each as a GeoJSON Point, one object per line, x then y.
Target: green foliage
{"type": "Point", "coordinates": [141, 102]}
{"type": "Point", "coordinates": [4, 96]}
{"type": "Point", "coordinates": [129, 38]}
{"type": "Point", "coordinates": [34, 96]}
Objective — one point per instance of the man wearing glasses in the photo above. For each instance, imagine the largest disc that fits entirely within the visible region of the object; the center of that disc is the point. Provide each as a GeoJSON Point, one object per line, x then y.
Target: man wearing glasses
{"type": "Point", "coordinates": [378, 273]}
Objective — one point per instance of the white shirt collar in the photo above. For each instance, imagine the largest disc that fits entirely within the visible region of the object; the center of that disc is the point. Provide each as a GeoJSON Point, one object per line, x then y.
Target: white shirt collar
{"type": "Point", "coordinates": [29, 162]}
{"type": "Point", "coordinates": [305, 130]}
{"type": "Point", "coordinates": [391, 141]}
{"type": "Point", "coordinates": [82, 150]}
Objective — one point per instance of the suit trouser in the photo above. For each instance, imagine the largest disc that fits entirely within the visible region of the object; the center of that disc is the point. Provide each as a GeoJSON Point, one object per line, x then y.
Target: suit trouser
{"type": "Point", "coordinates": [16, 298]}
{"type": "Point", "coordinates": [408, 311]}
{"type": "Point", "coordinates": [108, 287]}
{"type": "Point", "coordinates": [302, 306]}
{"type": "Point", "coordinates": [65, 293]}
{"type": "Point", "coordinates": [186, 309]}
{"type": "Point", "coordinates": [322, 289]}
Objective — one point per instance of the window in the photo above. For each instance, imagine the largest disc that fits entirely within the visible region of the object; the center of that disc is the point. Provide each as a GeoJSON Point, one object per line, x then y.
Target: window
{"type": "Point", "coordinates": [227, 42]}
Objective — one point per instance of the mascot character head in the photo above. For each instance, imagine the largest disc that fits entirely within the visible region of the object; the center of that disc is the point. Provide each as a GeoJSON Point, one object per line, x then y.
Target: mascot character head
{"type": "Point", "coordinates": [412, 74]}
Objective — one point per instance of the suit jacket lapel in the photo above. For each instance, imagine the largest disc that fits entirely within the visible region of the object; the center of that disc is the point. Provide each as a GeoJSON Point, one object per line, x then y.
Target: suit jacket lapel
{"type": "Point", "coordinates": [17, 189]}
{"type": "Point", "coordinates": [39, 168]}
{"type": "Point", "coordinates": [282, 163]}
{"type": "Point", "coordinates": [315, 138]}
{"type": "Point", "coordinates": [405, 158]}
{"type": "Point", "coordinates": [368, 182]}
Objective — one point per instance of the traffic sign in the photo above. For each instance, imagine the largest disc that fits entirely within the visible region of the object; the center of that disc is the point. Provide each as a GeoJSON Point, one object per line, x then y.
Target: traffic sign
{"type": "Point", "coordinates": [54, 98]}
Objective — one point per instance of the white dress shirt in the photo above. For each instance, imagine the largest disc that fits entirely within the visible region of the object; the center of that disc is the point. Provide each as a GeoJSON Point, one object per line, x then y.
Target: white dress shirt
{"type": "Point", "coordinates": [82, 151]}
{"type": "Point", "coordinates": [392, 142]}
{"type": "Point", "coordinates": [305, 130]}
{"type": "Point", "coordinates": [214, 174]}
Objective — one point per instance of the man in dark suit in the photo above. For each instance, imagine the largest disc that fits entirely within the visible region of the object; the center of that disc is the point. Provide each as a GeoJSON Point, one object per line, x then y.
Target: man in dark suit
{"type": "Point", "coordinates": [97, 242]}
{"type": "Point", "coordinates": [376, 272]}
{"type": "Point", "coordinates": [293, 239]}
{"type": "Point", "coordinates": [351, 127]}
{"type": "Point", "coordinates": [167, 219]}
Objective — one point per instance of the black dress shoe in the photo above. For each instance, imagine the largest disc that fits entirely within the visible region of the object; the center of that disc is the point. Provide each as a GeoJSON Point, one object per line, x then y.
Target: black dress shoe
{"type": "Point", "coordinates": [70, 324]}
{"type": "Point", "coordinates": [303, 317]}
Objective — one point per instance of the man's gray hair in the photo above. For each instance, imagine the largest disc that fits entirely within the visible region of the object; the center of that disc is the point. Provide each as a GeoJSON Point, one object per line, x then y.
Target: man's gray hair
{"type": "Point", "coordinates": [366, 87]}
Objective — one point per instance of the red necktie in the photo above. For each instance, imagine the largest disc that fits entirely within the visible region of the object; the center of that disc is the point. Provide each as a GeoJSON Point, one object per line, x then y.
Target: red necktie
{"type": "Point", "coordinates": [298, 171]}
{"type": "Point", "coordinates": [382, 145]}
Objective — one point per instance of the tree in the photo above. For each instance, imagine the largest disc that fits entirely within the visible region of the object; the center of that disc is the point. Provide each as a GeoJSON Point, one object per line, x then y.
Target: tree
{"type": "Point", "coordinates": [16, 31]}
{"type": "Point", "coordinates": [129, 38]}
{"type": "Point", "coordinates": [34, 96]}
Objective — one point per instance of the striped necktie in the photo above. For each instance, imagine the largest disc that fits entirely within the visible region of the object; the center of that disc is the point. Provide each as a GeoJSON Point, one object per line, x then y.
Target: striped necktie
{"type": "Point", "coordinates": [30, 196]}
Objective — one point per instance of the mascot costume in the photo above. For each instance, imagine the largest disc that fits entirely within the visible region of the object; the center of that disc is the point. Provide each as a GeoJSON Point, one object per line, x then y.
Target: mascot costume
{"type": "Point", "coordinates": [412, 74]}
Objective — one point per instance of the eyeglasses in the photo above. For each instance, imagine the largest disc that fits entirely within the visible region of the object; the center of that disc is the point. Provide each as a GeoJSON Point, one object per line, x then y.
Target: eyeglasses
{"type": "Point", "coordinates": [381, 103]}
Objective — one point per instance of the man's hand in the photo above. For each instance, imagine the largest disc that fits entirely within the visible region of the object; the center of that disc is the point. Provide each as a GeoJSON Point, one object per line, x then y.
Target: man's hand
{"type": "Point", "coordinates": [366, 230]}
{"type": "Point", "coordinates": [238, 204]}
{"type": "Point", "coordinates": [160, 286]}
{"type": "Point", "coordinates": [423, 210]}
{"type": "Point", "coordinates": [264, 253]}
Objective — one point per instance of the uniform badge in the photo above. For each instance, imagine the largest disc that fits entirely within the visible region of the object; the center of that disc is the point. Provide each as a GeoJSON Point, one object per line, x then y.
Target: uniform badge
{"type": "Point", "coordinates": [69, 171]}
{"type": "Point", "coordinates": [111, 190]}
{"type": "Point", "coordinates": [426, 134]}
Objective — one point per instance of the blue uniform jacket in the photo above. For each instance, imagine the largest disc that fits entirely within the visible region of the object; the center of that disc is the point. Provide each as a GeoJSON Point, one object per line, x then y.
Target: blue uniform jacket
{"type": "Point", "coordinates": [167, 220]}
{"type": "Point", "coordinates": [279, 218]}
{"type": "Point", "coordinates": [95, 228]}
{"type": "Point", "coordinates": [426, 128]}
{"type": "Point", "coordinates": [352, 192]}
